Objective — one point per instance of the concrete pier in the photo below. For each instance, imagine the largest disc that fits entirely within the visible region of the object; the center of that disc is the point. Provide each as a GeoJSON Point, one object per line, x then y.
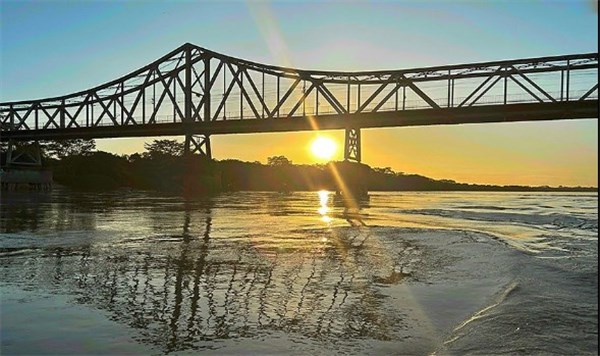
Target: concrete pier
{"type": "Point", "coordinates": [25, 179]}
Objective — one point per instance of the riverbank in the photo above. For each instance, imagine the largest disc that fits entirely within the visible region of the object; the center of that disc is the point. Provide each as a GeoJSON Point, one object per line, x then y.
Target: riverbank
{"type": "Point", "coordinates": [197, 175]}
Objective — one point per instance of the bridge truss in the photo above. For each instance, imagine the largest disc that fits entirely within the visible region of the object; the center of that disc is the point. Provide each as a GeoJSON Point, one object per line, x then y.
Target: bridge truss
{"type": "Point", "coordinates": [195, 92]}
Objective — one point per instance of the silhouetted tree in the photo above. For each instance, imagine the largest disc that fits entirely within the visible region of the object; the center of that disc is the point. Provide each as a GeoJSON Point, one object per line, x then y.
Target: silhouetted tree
{"type": "Point", "coordinates": [386, 170]}
{"type": "Point", "coordinates": [95, 170]}
{"type": "Point", "coordinates": [65, 148]}
{"type": "Point", "coordinates": [163, 149]}
{"type": "Point", "coordinates": [278, 161]}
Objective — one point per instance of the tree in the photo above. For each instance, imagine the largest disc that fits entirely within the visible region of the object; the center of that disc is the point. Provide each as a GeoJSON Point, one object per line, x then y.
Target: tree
{"type": "Point", "coordinates": [386, 170]}
{"type": "Point", "coordinates": [64, 148]}
{"type": "Point", "coordinates": [278, 161]}
{"type": "Point", "coordinates": [163, 148]}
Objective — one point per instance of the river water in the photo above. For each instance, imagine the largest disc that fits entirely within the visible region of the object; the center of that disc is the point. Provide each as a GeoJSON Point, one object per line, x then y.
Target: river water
{"type": "Point", "coordinates": [407, 273]}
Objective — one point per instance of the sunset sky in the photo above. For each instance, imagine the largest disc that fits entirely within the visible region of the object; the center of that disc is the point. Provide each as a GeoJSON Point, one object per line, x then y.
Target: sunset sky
{"type": "Point", "coordinates": [50, 48]}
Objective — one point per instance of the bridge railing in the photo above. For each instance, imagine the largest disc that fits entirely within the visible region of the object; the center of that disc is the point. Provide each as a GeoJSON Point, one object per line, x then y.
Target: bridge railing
{"type": "Point", "coordinates": [192, 84]}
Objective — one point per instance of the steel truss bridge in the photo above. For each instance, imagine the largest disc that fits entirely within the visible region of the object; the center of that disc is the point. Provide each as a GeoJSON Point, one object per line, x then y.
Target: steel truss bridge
{"type": "Point", "coordinates": [197, 93]}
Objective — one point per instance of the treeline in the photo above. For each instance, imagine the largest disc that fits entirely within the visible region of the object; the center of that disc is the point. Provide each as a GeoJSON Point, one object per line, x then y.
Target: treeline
{"type": "Point", "coordinates": [164, 166]}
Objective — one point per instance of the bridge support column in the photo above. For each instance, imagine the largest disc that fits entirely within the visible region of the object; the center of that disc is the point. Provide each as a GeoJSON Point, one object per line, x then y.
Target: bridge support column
{"type": "Point", "coordinates": [352, 145]}
{"type": "Point", "coordinates": [25, 155]}
{"type": "Point", "coordinates": [199, 144]}
{"type": "Point", "coordinates": [353, 176]}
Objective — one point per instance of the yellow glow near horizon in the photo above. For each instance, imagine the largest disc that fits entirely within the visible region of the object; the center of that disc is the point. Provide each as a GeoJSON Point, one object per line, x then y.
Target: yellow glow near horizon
{"type": "Point", "coordinates": [323, 148]}
{"type": "Point", "coordinates": [540, 153]}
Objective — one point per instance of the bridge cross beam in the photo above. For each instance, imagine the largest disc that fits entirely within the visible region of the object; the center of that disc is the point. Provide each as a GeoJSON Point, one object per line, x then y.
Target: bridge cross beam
{"type": "Point", "coordinates": [198, 143]}
{"type": "Point", "coordinates": [352, 145]}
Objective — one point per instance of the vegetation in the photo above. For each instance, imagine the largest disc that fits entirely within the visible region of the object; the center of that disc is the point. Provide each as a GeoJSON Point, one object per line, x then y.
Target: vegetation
{"type": "Point", "coordinates": [68, 148]}
{"type": "Point", "coordinates": [164, 167]}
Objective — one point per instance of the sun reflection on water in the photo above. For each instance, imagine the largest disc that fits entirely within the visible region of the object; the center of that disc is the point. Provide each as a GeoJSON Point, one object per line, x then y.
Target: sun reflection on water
{"type": "Point", "coordinates": [324, 208]}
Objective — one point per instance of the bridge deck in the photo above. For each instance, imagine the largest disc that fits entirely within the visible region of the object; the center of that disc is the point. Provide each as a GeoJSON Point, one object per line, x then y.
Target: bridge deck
{"type": "Point", "coordinates": [448, 116]}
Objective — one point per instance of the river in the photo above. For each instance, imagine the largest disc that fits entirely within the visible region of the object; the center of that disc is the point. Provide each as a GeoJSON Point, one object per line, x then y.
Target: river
{"type": "Point", "coordinates": [406, 273]}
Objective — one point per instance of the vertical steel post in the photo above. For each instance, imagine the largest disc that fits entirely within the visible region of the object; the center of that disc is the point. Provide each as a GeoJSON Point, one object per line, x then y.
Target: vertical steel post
{"type": "Point", "coordinates": [207, 99]}
{"type": "Point", "coordinates": [396, 93]}
{"type": "Point", "coordinates": [358, 105]}
{"type": "Point", "coordinates": [241, 95]}
{"type": "Point", "coordinates": [144, 105]}
{"type": "Point", "coordinates": [452, 95]}
{"type": "Point", "coordinates": [568, 78]}
{"type": "Point", "coordinates": [207, 88]}
{"type": "Point", "coordinates": [278, 95]}
{"type": "Point", "coordinates": [12, 117]}
{"type": "Point", "coordinates": [122, 98]}
{"type": "Point", "coordinates": [36, 115]}
{"type": "Point", "coordinates": [62, 114]}
{"type": "Point", "coordinates": [188, 100]}
{"type": "Point", "coordinates": [449, 88]}
{"type": "Point", "coordinates": [317, 102]}
{"type": "Point", "coordinates": [175, 97]}
{"type": "Point", "coordinates": [187, 92]}
{"type": "Point", "coordinates": [505, 86]}
{"type": "Point", "coordinates": [348, 96]}
{"type": "Point", "coordinates": [304, 100]}
{"type": "Point", "coordinates": [196, 143]}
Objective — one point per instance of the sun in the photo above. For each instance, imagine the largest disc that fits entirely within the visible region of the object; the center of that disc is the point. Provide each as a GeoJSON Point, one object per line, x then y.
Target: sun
{"type": "Point", "coordinates": [323, 148]}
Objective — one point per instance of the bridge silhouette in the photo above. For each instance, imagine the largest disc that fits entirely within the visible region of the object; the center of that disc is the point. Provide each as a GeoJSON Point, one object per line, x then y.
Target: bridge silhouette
{"type": "Point", "coordinates": [196, 93]}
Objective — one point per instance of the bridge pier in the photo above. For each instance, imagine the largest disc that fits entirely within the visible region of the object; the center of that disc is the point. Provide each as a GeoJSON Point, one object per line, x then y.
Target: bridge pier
{"type": "Point", "coordinates": [22, 168]}
{"type": "Point", "coordinates": [199, 144]}
{"type": "Point", "coordinates": [351, 182]}
{"type": "Point", "coordinates": [200, 176]}
{"type": "Point", "coordinates": [352, 176]}
{"type": "Point", "coordinates": [352, 145]}
{"type": "Point", "coordinates": [26, 155]}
